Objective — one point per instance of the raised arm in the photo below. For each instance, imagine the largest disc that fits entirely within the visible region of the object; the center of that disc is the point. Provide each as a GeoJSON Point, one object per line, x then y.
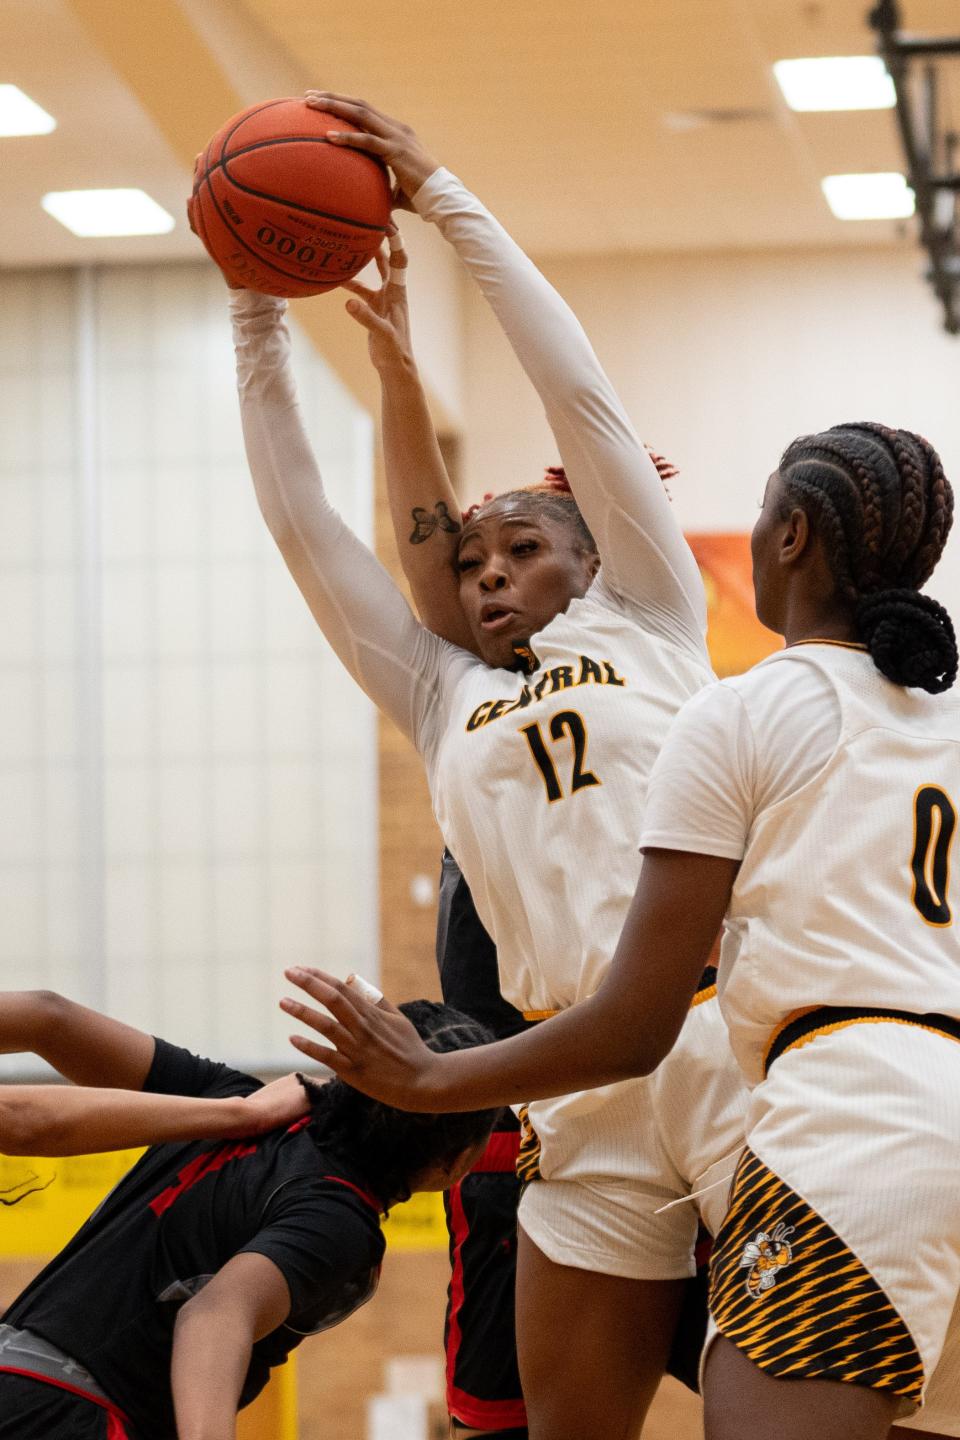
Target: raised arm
{"type": "Point", "coordinates": [357, 606]}
{"type": "Point", "coordinates": [93, 1050]}
{"type": "Point", "coordinates": [645, 558]}
{"type": "Point", "coordinates": [423, 505]}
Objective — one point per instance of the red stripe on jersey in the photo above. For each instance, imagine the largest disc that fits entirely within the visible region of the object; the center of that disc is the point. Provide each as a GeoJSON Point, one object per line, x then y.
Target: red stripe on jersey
{"type": "Point", "coordinates": [191, 1174]}
{"type": "Point", "coordinates": [116, 1420]}
{"type": "Point", "coordinates": [469, 1409]}
{"type": "Point", "coordinates": [501, 1153]}
{"type": "Point", "coordinates": [365, 1195]}
{"type": "Point", "coordinates": [459, 1232]}
{"type": "Point", "coordinates": [486, 1414]}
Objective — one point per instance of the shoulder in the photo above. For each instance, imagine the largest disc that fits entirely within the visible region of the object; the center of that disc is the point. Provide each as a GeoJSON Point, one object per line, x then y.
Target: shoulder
{"type": "Point", "coordinates": [318, 1209]}
{"type": "Point", "coordinates": [177, 1071]}
{"type": "Point", "coordinates": [789, 682]}
{"type": "Point", "coordinates": [793, 703]}
{"type": "Point", "coordinates": [662, 624]}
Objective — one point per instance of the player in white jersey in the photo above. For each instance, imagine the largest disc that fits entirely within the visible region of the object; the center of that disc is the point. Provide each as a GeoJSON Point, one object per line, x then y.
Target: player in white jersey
{"type": "Point", "coordinates": [537, 753]}
{"type": "Point", "coordinates": [814, 800]}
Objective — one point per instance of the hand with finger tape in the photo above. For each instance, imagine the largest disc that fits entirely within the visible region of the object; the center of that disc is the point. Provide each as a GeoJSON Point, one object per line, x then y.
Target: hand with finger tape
{"type": "Point", "coordinates": [375, 1047]}
{"type": "Point", "coordinates": [383, 312]}
{"type": "Point", "coordinates": [379, 135]}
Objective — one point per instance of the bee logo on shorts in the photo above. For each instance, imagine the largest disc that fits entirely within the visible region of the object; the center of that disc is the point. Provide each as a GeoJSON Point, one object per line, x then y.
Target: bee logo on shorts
{"type": "Point", "coordinates": [766, 1255]}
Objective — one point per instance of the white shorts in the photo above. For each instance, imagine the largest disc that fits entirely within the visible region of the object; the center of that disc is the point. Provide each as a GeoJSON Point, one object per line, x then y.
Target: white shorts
{"type": "Point", "coordinates": [839, 1257]}
{"type": "Point", "coordinates": [612, 1158]}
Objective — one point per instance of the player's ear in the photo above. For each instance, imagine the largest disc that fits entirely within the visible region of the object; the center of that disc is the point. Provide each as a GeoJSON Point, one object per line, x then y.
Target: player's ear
{"type": "Point", "coordinates": [797, 536]}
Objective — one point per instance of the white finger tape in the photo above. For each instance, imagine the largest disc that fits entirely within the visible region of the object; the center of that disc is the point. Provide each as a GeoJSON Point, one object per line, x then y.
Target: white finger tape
{"type": "Point", "coordinates": [365, 989]}
{"type": "Point", "coordinates": [398, 259]}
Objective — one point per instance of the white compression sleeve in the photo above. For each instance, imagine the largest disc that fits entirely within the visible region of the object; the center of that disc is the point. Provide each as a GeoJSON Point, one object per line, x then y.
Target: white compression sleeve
{"type": "Point", "coordinates": [645, 558]}
{"type": "Point", "coordinates": [355, 603]}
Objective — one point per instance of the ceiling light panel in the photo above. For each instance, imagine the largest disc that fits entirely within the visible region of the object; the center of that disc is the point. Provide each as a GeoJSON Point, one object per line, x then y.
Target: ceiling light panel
{"type": "Point", "coordinates": [19, 115]}
{"type": "Point", "coordinates": [837, 82]}
{"type": "Point", "coordinates": [91, 213]}
{"type": "Point", "coordinates": [881, 196]}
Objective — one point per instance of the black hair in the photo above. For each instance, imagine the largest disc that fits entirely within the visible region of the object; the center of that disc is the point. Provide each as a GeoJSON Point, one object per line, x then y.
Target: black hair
{"type": "Point", "coordinates": [391, 1147]}
{"type": "Point", "coordinates": [882, 507]}
{"type": "Point", "coordinates": [550, 496]}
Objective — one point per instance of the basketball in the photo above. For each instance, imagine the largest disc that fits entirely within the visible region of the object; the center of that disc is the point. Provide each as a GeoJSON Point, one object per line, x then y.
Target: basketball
{"type": "Point", "coordinates": [280, 209]}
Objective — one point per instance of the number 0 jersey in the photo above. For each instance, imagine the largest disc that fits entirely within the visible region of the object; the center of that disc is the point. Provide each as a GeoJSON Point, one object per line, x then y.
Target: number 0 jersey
{"type": "Point", "coordinates": [838, 791]}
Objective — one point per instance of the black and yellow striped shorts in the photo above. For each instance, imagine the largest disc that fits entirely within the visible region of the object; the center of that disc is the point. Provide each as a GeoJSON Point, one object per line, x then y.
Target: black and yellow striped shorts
{"type": "Point", "coordinates": [785, 1288]}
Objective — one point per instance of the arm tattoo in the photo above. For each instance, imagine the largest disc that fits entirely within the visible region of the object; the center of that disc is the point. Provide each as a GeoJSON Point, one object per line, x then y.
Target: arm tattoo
{"type": "Point", "coordinates": [426, 523]}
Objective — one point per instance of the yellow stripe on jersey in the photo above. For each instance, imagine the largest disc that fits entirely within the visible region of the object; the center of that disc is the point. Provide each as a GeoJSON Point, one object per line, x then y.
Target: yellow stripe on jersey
{"type": "Point", "coordinates": [528, 1156]}
{"type": "Point", "coordinates": [839, 644]}
{"type": "Point", "coordinates": [706, 990]}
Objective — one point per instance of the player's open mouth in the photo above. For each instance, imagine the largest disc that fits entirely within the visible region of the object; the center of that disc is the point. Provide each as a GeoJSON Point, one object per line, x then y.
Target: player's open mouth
{"type": "Point", "coordinates": [494, 619]}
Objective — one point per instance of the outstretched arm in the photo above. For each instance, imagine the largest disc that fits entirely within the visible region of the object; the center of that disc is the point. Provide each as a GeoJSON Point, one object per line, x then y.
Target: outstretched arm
{"type": "Point", "coordinates": [625, 1029]}
{"type": "Point", "coordinates": [93, 1050]}
{"type": "Point", "coordinates": [423, 506]}
{"type": "Point", "coordinates": [357, 606]}
{"type": "Point", "coordinates": [645, 557]}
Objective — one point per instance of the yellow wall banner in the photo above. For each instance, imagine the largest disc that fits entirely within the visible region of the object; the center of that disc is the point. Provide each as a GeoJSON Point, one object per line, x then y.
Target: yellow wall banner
{"type": "Point", "coordinates": [53, 1198]}
{"type": "Point", "coordinates": [418, 1224]}
{"type": "Point", "coordinates": [58, 1195]}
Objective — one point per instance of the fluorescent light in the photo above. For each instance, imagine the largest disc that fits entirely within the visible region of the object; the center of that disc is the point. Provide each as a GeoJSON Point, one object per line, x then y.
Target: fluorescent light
{"type": "Point", "coordinates": [882, 196]}
{"type": "Point", "coordinates": [19, 115]}
{"type": "Point", "coordinates": [837, 82]}
{"type": "Point", "coordinates": [108, 212]}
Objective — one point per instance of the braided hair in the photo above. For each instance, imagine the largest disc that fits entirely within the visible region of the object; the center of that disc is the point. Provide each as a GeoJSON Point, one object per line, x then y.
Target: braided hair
{"type": "Point", "coordinates": [392, 1147]}
{"type": "Point", "coordinates": [552, 496]}
{"type": "Point", "coordinates": [882, 508]}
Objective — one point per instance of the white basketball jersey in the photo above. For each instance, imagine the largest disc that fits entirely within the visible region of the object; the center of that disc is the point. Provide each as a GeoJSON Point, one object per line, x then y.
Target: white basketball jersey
{"type": "Point", "coordinates": [845, 895]}
{"type": "Point", "coordinates": [539, 782]}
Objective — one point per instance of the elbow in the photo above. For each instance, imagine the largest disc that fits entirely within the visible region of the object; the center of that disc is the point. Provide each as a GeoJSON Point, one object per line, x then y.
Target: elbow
{"type": "Point", "coordinates": [641, 1055]}
{"type": "Point", "coordinates": [653, 1050]}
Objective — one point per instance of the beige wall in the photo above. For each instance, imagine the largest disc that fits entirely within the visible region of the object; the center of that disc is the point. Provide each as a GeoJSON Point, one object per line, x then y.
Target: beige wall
{"type": "Point", "coordinates": [721, 359]}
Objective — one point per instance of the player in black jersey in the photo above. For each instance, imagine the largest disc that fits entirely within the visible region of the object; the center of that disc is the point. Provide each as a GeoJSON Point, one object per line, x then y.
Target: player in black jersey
{"type": "Point", "coordinates": [209, 1262]}
{"type": "Point", "coordinates": [484, 1395]}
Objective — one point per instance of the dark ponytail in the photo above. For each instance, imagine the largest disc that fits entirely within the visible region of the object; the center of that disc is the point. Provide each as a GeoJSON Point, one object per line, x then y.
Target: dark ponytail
{"type": "Point", "coordinates": [882, 507]}
{"type": "Point", "coordinates": [910, 638]}
{"type": "Point", "coordinates": [392, 1147]}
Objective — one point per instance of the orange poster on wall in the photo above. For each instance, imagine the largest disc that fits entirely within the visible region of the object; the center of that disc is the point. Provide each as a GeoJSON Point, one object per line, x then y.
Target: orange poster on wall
{"type": "Point", "coordinates": [735, 637]}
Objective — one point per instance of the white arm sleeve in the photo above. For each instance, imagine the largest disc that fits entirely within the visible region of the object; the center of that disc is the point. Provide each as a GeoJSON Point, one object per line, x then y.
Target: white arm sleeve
{"type": "Point", "coordinates": [646, 561]}
{"type": "Point", "coordinates": [361, 612]}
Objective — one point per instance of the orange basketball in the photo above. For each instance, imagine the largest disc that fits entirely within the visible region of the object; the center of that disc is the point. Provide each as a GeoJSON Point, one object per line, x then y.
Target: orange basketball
{"type": "Point", "coordinates": [280, 209]}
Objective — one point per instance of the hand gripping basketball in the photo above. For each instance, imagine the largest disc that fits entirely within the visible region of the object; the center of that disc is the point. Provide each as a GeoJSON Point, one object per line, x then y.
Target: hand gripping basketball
{"type": "Point", "coordinates": [377, 134]}
{"type": "Point", "coordinates": [281, 208]}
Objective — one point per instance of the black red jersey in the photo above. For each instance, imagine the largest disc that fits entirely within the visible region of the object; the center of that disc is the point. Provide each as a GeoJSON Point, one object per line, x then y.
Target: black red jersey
{"type": "Point", "coordinates": [467, 958]}
{"type": "Point", "coordinates": [110, 1298]}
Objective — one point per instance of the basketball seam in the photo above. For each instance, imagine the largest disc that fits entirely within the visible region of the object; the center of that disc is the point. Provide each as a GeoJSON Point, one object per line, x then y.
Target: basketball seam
{"type": "Point", "coordinates": [259, 258]}
{"type": "Point", "coordinates": [248, 115]}
{"type": "Point", "coordinates": [278, 199]}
